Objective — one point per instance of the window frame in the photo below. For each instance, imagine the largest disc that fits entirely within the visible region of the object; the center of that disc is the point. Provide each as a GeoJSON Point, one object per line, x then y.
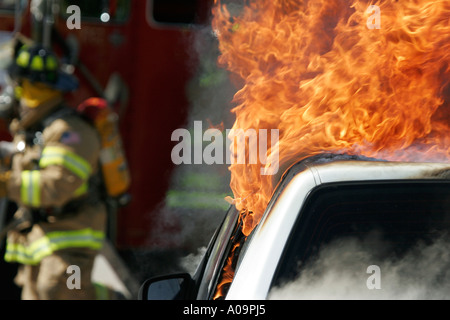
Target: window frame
{"type": "Point", "coordinates": [304, 214]}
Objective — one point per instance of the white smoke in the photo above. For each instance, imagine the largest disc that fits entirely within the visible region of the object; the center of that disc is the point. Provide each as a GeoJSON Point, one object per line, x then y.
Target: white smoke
{"type": "Point", "coordinates": [191, 262]}
{"type": "Point", "coordinates": [340, 271]}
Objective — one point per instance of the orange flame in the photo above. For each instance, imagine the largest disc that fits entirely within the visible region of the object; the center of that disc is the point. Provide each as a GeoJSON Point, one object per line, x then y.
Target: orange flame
{"type": "Point", "coordinates": [315, 71]}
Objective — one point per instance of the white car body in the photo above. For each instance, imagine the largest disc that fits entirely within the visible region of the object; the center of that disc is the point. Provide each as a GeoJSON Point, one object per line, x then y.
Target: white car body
{"type": "Point", "coordinates": [257, 266]}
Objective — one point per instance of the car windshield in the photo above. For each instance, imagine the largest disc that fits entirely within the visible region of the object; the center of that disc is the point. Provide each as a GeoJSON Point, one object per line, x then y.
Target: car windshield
{"type": "Point", "coordinates": [384, 240]}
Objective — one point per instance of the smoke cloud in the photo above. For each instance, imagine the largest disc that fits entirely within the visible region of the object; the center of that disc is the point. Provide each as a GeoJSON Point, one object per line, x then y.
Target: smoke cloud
{"type": "Point", "coordinates": [194, 204]}
{"type": "Point", "coordinates": [341, 271]}
{"type": "Point", "coordinates": [191, 262]}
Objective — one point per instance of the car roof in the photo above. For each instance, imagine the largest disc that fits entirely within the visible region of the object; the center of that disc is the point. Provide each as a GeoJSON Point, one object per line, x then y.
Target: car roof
{"type": "Point", "coordinates": [341, 167]}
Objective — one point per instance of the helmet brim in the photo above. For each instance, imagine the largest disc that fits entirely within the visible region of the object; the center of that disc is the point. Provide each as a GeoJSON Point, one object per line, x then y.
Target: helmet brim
{"type": "Point", "coordinates": [65, 82]}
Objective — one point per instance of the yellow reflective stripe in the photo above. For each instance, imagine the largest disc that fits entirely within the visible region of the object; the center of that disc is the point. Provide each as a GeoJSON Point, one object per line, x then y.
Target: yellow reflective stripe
{"type": "Point", "coordinates": [37, 63]}
{"type": "Point", "coordinates": [51, 63]}
{"type": "Point", "coordinates": [30, 192]}
{"type": "Point", "coordinates": [18, 92]}
{"type": "Point", "coordinates": [18, 253]}
{"type": "Point", "coordinates": [81, 190]}
{"type": "Point", "coordinates": [69, 160]}
{"type": "Point", "coordinates": [101, 291]}
{"type": "Point", "coordinates": [23, 59]}
{"type": "Point", "coordinates": [53, 241]}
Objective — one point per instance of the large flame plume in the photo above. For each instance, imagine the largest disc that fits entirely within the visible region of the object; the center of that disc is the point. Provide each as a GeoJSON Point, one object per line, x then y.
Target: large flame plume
{"type": "Point", "coordinates": [315, 71]}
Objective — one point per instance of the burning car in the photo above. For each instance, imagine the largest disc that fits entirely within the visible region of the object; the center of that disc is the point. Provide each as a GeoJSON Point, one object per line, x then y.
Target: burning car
{"type": "Point", "coordinates": [337, 226]}
{"type": "Point", "coordinates": [371, 223]}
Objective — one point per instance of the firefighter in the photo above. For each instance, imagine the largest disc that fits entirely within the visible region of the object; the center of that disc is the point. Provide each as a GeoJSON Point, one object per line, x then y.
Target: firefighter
{"type": "Point", "coordinates": [53, 180]}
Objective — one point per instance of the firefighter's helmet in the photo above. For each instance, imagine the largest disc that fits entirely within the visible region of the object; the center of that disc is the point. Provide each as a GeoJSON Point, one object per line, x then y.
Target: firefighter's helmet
{"type": "Point", "coordinates": [38, 64]}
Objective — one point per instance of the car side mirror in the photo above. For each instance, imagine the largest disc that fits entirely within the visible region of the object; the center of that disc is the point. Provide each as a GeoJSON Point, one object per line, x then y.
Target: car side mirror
{"type": "Point", "coordinates": [169, 287]}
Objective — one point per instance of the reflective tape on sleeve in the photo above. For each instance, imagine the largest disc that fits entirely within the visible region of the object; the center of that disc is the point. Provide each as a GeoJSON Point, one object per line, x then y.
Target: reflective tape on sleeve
{"type": "Point", "coordinates": [82, 189]}
{"type": "Point", "coordinates": [67, 159]}
{"type": "Point", "coordinates": [34, 252]}
{"type": "Point", "coordinates": [30, 192]}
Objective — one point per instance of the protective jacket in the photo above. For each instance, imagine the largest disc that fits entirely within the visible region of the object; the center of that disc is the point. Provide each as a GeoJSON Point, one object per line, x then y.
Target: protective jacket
{"type": "Point", "coordinates": [53, 177]}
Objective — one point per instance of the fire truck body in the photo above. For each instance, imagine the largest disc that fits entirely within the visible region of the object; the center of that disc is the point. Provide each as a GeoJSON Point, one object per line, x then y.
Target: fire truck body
{"type": "Point", "coordinates": [136, 54]}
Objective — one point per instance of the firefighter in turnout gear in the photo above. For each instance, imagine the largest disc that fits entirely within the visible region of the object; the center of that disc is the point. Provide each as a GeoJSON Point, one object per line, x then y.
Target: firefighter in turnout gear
{"type": "Point", "coordinates": [53, 180]}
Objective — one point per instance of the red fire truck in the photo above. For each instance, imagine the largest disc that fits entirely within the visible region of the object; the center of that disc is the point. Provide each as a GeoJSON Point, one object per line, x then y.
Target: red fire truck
{"type": "Point", "coordinates": [136, 53]}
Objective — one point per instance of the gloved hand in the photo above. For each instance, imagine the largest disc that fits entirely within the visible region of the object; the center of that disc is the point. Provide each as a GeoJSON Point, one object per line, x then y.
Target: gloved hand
{"type": "Point", "coordinates": [4, 178]}
{"type": "Point", "coordinates": [22, 222]}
